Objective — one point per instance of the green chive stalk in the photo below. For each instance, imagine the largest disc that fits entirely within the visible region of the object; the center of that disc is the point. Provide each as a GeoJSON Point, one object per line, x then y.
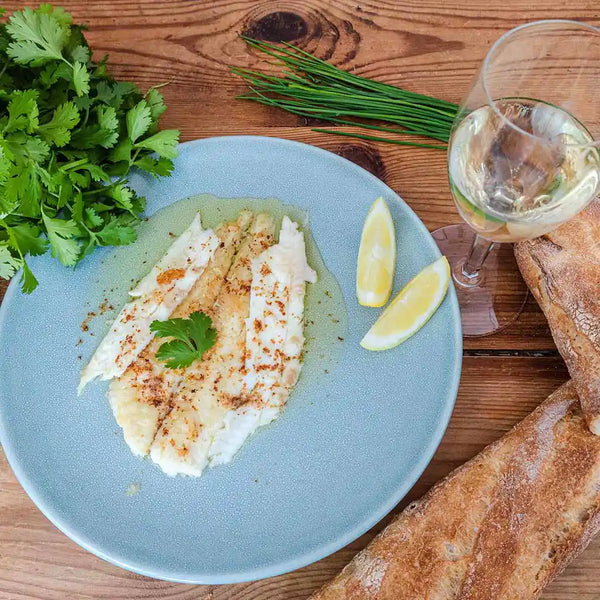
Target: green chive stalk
{"type": "Point", "coordinates": [313, 88]}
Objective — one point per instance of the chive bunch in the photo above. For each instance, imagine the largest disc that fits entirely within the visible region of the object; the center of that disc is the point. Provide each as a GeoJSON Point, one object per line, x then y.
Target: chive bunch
{"type": "Point", "coordinates": [313, 88]}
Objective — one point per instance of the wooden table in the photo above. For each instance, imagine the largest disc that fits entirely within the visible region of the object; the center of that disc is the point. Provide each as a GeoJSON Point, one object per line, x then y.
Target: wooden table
{"type": "Point", "coordinates": [430, 46]}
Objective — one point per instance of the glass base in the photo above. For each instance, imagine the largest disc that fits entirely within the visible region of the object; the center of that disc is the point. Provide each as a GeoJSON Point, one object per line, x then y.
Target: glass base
{"type": "Point", "coordinates": [495, 297]}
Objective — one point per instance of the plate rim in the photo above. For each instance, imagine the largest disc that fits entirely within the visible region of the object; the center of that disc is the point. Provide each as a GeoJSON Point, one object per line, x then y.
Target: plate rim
{"type": "Point", "coordinates": [347, 536]}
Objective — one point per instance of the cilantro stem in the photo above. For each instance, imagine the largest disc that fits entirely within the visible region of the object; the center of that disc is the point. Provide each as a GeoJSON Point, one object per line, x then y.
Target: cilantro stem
{"type": "Point", "coordinates": [131, 161]}
{"type": "Point", "coordinates": [104, 189]}
{"type": "Point", "coordinates": [90, 232]}
{"type": "Point", "coordinates": [87, 115]}
{"type": "Point", "coordinates": [75, 164]}
{"type": "Point", "coordinates": [4, 68]}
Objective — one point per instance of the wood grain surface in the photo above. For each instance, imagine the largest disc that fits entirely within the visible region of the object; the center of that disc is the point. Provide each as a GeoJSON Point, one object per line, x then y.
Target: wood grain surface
{"type": "Point", "coordinates": [430, 46]}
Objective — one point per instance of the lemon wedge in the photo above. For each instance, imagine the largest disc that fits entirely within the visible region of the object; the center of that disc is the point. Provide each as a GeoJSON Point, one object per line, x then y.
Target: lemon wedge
{"type": "Point", "coordinates": [376, 257]}
{"type": "Point", "coordinates": [411, 308]}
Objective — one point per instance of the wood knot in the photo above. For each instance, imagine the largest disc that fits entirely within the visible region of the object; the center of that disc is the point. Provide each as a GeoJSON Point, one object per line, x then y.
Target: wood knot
{"type": "Point", "coordinates": [364, 156]}
{"type": "Point", "coordinates": [314, 31]}
{"type": "Point", "coordinates": [280, 26]}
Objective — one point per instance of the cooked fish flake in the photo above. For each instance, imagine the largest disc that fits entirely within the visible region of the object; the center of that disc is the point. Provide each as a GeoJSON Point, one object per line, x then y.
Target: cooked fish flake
{"type": "Point", "coordinates": [154, 298]}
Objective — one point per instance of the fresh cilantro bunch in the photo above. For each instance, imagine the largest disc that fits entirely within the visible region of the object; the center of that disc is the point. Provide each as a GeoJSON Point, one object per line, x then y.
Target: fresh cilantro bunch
{"type": "Point", "coordinates": [192, 338]}
{"type": "Point", "coordinates": [69, 135]}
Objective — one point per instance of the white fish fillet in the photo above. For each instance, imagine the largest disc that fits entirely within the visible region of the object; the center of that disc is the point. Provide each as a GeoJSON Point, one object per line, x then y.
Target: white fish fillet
{"type": "Point", "coordinates": [209, 387]}
{"type": "Point", "coordinates": [255, 365]}
{"type": "Point", "coordinates": [155, 297]}
{"type": "Point", "coordinates": [141, 396]}
{"type": "Point", "coordinates": [188, 419]}
{"type": "Point", "coordinates": [274, 340]}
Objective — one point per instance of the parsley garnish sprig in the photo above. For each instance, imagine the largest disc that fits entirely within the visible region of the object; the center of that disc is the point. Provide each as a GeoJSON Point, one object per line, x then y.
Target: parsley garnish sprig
{"type": "Point", "coordinates": [193, 337]}
{"type": "Point", "coordinates": [69, 135]}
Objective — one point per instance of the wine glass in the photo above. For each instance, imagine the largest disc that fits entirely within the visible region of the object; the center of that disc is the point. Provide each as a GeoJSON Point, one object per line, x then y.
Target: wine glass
{"type": "Point", "coordinates": [523, 158]}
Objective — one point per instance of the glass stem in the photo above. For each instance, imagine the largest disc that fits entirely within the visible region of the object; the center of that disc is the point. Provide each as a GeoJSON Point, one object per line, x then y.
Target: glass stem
{"type": "Point", "coordinates": [480, 248]}
{"type": "Point", "coordinates": [469, 272]}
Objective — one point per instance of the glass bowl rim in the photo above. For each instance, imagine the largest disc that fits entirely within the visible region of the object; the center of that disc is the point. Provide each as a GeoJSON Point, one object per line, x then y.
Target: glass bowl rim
{"type": "Point", "coordinates": [500, 41]}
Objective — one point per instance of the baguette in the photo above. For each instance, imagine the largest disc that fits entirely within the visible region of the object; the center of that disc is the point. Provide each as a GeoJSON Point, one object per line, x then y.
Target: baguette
{"type": "Point", "coordinates": [562, 269]}
{"type": "Point", "coordinates": [498, 528]}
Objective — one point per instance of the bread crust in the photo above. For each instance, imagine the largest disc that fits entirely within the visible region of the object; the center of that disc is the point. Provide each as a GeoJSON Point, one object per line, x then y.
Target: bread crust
{"type": "Point", "coordinates": [500, 527]}
{"type": "Point", "coordinates": [562, 269]}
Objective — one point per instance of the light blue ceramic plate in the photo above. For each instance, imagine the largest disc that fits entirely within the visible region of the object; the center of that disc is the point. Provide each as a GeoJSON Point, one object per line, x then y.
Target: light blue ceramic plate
{"type": "Point", "coordinates": [344, 453]}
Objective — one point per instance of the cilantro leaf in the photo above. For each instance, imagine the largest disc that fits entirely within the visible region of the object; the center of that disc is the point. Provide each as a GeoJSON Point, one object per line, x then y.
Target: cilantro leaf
{"type": "Point", "coordinates": [138, 120]}
{"type": "Point", "coordinates": [59, 13]}
{"type": "Point", "coordinates": [26, 239]}
{"type": "Point", "coordinates": [175, 328]}
{"type": "Point", "coordinates": [114, 93]}
{"type": "Point", "coordinates": [104, 92]}
{"type": "Point", "coordinates": [66, 191]}
{"type": "Point", "coordinates": [8, 263]}
{"type": "Point", "coordinates": [81, 79]}
{"type": "Point", "coordinates": [97, 173]}
{"type": "Point", "coordinates": [8, 203]}
{"type": "Point", "coordinates": [107, 118]}
{"type": "Point", "coordinates": [24, 188]}
{"type": "Point", "coordinates": [176, 354]}
{"type": "Point", "coordinates": [61, 234]}
{"type": "Point", "coordinates": [156, 103]}
{"type": "Point", "coordinates": [36, 150]}
{"type": "Point", "coordinates": [65, 228]}
{"type": "Point", "coordinates": [104, 133]}
{"type": "Point", "coordinates": [100, 69]}
{"type": "Point", "coordinates": [53, 72]}
{"type": "Point", "coordinates": [193, 337]}
{"type": "Point", "coordinates": [122, 195]}
{"type": "Point", "coordinates": [5, 163]}
{"type": "Point", "coordinates": [92, 218]}
{"type": "Point", "coordinates": [57, 131]}
{"type": "Point", "coordinates": [28, 280]}
{"type": "Point", "coordinates": [81, 180]}
{"type": "Point", "coordinates": [77, 207]}
{"type": "Point", "coordinates": [201, 331]}
{"type": "Point", "coordinates": [158, 167]}
{"type": "Point", "coordinates": [164, 143]}
{"type": "Point", "coordinates": [119, 231]}
{"type": "Point", "coordinates": [23, 111]}
{"type": "Point", "coordinates": [90, 137]}
{"type": "Point", "coordinates": [38, 37]}
{"type": "Point", "coordinates": [80, 54]}
{"type": "Point", "coordinates": [122, 151]}
{"type": "Point", "coordinates": [138, 204]}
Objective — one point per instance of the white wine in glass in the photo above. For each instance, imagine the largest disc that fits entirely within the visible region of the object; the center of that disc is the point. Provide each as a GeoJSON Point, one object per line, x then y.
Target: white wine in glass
{"type": "Point", "coordinates": [523, 158]}
{"type": "Point", "coordinates": [508, 193]}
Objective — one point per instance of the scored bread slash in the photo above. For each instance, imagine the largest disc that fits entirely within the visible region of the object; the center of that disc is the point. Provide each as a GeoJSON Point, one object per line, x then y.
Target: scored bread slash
{"type": "Point", "coordinates": [376, 256]}
{"type": "Point", "coordinates": [411, 308]}
{"type": "Point", "coordinates": [154, 298]}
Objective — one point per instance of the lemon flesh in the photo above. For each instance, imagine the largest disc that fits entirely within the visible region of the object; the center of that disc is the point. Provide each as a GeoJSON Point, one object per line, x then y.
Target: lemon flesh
{"type": "Point", "coordinates": [411, 308]}
{"type": "Point", "coordinates": [376, 257]}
